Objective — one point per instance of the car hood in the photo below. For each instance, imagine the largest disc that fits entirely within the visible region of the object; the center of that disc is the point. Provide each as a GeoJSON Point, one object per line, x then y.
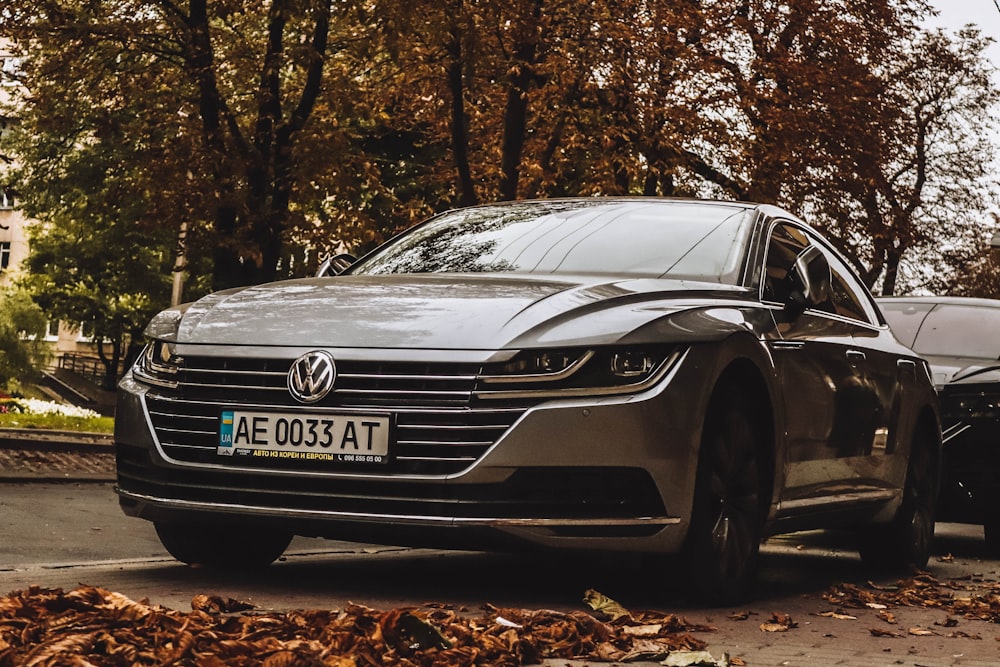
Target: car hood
{"type": "Point", "coordinates": [435, 311]}
{"type": "Point", "coordinates": [963, 370]}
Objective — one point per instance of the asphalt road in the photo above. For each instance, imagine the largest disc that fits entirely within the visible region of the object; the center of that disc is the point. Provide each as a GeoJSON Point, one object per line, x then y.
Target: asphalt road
{"type": "Point", "coordinates": [64, 535]}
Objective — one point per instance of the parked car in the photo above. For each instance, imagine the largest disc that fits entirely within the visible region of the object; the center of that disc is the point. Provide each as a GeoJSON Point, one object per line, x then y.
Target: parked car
{"type": "Point", "coordinates": [959, 337]}
{"type": "Point", "coordinates": [653, 376]}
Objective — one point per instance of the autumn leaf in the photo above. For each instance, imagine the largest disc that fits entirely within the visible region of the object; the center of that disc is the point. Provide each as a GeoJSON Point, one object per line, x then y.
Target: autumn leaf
{"type": "Point", "coordinates": [778, 623]}
{"type": "Point", "coordinates": [880, 632]}
{"type": "Point", "coordinates": [605, 605]}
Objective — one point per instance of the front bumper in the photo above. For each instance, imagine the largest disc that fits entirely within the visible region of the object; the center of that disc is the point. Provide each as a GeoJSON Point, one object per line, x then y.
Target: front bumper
{"type": "Point", "coordinates": [599, 474]}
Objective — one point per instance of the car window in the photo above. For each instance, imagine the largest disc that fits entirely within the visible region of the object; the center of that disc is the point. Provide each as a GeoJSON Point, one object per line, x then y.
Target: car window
{"type": "Point", "coordinates": [784, 245]}
{"type": "Point", "coordinates": [956, 330]}
{"type": "Point", "coordinates": [847, 296]}
{"type": "Point", "coordinates": [648, 239]}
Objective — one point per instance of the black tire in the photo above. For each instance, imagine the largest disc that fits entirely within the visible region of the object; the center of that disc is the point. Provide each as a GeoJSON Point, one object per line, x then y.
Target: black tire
{"type": "Point", "coordinates": [220, 545]}
{"type": "Point", "coordinates": [905, 542]}
{"type": "Point", "coordinates": [991, 531]}
{"type": "Point", "coordinates": [723, 542]}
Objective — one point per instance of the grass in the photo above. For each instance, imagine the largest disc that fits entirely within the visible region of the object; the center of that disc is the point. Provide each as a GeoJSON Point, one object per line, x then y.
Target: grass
{"type": "Point", "coordinates": [57, 422]}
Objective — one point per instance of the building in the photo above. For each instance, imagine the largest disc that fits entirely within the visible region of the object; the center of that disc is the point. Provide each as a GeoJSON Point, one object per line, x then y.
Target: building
{"type": "Point", "coordinates": [13, 240]}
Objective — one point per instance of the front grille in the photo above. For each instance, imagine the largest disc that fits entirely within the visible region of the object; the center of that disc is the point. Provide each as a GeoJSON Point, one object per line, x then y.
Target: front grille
{"type": "Point", "coordinates": [438, 429]}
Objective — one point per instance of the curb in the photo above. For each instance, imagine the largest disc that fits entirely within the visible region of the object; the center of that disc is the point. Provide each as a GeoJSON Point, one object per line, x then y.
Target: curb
{"type": "Point", "coordinates": [48, 440]}
{"type": "Point", "coordinates": [47, 456]}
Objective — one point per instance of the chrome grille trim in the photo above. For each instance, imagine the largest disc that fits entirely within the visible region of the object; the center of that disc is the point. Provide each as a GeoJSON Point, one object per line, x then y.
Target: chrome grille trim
{"type": "Point", "coordinates": [438, 427]}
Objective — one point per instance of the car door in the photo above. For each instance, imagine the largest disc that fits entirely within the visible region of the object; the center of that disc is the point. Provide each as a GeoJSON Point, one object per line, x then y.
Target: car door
{"type": "Point", "coordinates": [832, 410]}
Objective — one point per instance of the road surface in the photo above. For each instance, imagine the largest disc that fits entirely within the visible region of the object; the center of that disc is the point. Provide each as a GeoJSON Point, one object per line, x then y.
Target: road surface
{"type": "Point", "coordinates": [64, 535]}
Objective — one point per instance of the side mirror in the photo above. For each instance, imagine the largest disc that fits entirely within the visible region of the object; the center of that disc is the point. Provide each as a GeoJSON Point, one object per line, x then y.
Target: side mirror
{"type": "Point", "coordinates": [334, 266]}
{"type": "Point", "coordinates": [811, 273]}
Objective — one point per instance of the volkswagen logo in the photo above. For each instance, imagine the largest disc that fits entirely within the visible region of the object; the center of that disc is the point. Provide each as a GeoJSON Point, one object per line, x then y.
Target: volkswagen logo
{"type": "Point", "coordinates": [312, 376]}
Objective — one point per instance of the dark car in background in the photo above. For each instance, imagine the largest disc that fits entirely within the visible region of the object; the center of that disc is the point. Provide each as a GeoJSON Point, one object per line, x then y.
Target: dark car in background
{"type": "Point", "coordinates": [652, 376]}
{"type": "Point", "coordinates": [960, 337]}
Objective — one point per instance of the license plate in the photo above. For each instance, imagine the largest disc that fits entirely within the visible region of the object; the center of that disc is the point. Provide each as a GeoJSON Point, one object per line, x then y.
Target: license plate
{"type": "Point", "coordinates": [306, 437]}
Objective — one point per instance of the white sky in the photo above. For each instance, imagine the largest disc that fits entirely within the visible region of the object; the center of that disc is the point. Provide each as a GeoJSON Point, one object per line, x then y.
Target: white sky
{"type": "Point", "coordinates": [954, 14]}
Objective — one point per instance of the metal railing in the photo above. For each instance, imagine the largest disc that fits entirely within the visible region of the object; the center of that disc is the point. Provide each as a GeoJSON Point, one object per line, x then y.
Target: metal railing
{"type": "Point", "coordinates": [86, 366]}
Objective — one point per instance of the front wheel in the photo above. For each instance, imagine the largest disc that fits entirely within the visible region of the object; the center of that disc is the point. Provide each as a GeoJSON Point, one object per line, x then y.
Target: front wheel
{"type": "Point", "coordinates": [222, 545]}
{"type": "Point", "coordinates": [991, 531]}
{"type": "Point", "coordinates": [720, 554]}
{"type": "Point", "coordinates": [906, 540]}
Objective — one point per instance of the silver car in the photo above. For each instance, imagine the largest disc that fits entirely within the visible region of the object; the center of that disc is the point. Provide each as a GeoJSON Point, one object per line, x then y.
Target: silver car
{"type": "Point", "coordinates": [653, 376]}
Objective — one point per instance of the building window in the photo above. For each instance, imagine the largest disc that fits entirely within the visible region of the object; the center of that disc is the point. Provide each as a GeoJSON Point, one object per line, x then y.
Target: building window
{"type": "Point", "coordinates": [4, 255]}
{"type": "Point", "coordinates": [85, 332]}
{"type": "Point", "coordinates": [6, 199]}
{"type": "Point", "coordinates": [52, 330]}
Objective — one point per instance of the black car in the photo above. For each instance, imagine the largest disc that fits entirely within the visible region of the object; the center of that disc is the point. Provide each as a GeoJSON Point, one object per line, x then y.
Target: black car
{"type": "Point", "coordinates": [960, 337]}
{"type": "Point", "coordinates": [652, 376]}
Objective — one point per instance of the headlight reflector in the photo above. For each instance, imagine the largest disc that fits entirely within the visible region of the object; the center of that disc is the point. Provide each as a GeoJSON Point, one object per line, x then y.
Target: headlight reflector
{"type": "Point", "coordinates": [157, 365]}
{"type": "Point", "coordinates": [585, 372]}
{"type": "Point", "coordinates": [632, 363]}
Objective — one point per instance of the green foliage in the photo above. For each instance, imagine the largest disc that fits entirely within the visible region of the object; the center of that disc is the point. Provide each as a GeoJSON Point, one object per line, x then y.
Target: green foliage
{"type": "Point", "coordinates": [56, 422]}
{"type": "Point", "coordinates": [22, 329]}
{"type": "Point", "coordinates": [95, 257]}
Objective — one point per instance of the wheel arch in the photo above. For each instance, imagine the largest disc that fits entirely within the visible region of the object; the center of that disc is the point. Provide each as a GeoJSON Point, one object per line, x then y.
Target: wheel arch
{"type": "Point", "coordinates": [745, 376]}
{"type": "Point", "coordinates": [928, 421]}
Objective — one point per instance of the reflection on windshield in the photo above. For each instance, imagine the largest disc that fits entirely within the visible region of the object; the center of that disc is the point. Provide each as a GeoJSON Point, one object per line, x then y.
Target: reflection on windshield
{"type": "Point", "coordinates": [953, 330]}
{"type": "Point", "coordinates": [692, 240]}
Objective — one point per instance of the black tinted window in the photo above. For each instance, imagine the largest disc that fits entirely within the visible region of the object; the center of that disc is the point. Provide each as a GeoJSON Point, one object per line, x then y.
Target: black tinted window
{"type": "Point", "coordinates": [649, 239]}
{"type": "Point", "coordinates": [846, 293]}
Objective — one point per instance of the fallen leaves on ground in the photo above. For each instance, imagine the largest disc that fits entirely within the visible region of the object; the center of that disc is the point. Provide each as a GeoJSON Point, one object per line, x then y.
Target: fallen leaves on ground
{"type": "Point", "coordinates": [92, 626]}
{"type": "Point", "coordinates": [778, 623]}
{"type": "Point", "coordinates": [972, 600]}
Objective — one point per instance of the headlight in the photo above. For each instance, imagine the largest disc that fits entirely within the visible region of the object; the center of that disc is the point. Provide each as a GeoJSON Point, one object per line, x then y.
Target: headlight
{"type": "Point", "coordinates": [576, 372]}
{"type": "Point", "coordinates": [157, 365]}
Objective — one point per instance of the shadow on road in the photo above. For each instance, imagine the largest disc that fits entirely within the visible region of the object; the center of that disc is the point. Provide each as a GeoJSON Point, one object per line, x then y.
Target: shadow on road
{"type": "Point", "coordinates": [799, 565]}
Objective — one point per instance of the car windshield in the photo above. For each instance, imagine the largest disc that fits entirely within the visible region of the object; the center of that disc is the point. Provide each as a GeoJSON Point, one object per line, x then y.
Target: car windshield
{"type": "Point", "coordinates": [948, 330]}
{"type": "Point", "coordinates": [659, 239]}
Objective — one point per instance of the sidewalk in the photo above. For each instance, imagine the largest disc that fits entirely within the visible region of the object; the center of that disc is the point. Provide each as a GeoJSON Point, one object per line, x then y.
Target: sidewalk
{"type": "Point", "coordinates": [796, 572]}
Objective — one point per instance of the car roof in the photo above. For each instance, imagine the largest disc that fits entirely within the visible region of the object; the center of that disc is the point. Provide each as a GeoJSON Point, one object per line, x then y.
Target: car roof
{"type": "Point", "coordinates": [604, 200]}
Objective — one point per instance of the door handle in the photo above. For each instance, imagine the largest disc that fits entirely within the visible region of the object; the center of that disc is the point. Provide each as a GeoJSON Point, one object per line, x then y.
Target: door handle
{"type": "Point", "coordinates": [855, 357]}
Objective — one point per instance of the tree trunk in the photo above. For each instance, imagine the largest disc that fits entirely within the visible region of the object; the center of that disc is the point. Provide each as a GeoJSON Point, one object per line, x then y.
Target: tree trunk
{"type": "Point", "coordinates": [459, 120]}
{"type": "Point", "coordinates": [110, 364]}
{"type": "Point", "coordinates": [250, 225]}
{"type": "Point", "coordinates": [516, 110]}
{"type": "Point", "coordinates": [892, 260]}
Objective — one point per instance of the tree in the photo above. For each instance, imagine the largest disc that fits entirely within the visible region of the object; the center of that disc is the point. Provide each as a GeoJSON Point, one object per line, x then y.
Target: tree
{"type": "Point", "coordinates": [924, 185]}
{"type": "Point", "coordinates": [95, 258]}
{"type": "Point", "coordinates": [232, 88]}
{"type": "Point", "coordinates": [976, 273]}
{"type": "Point", "coordinates": [279, 130]}
{"type": "Point", "coordinates": [22, 333]}
{"type": "Point", "coordinates": [79, 274]}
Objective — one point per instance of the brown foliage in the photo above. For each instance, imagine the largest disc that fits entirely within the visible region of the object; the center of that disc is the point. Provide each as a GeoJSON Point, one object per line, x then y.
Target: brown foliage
{"type": "Point", "coordinates": [974, 600]}
{"type": "Point", "coordinates": [92, 626]}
